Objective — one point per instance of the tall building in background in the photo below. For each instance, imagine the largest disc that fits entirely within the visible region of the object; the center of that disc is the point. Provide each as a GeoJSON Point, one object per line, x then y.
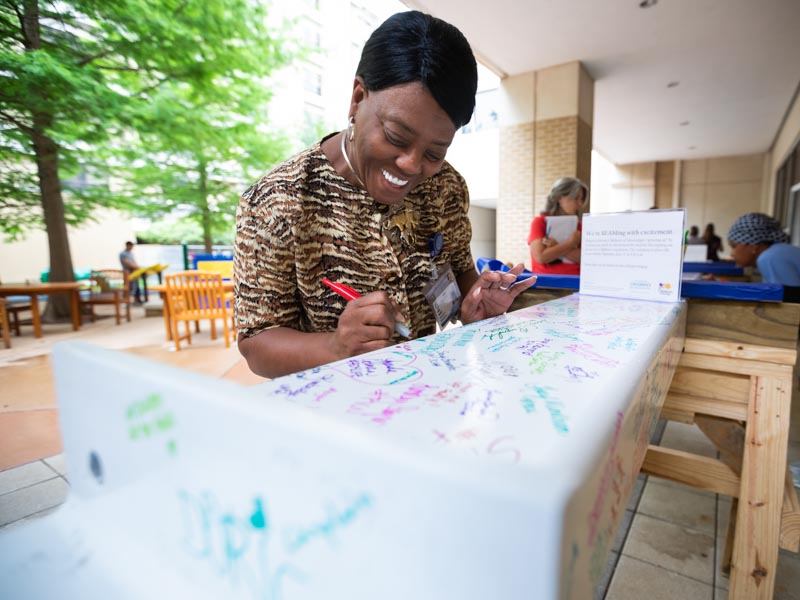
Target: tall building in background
{"type": "Point", "coordinates": [311, 96]}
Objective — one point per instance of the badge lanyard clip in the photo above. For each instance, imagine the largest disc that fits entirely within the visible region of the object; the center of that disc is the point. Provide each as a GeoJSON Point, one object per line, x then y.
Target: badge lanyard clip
{"type": "Point", "coordinates": [435, 245]}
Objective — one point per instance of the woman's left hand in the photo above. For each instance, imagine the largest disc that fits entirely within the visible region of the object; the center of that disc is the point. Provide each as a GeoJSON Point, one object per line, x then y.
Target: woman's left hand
{"type": "Point", "coordinates": [492, 294]}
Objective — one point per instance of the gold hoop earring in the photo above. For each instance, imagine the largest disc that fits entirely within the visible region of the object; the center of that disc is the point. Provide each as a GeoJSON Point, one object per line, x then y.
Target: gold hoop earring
{"type": "Point", "coordinates": [347, 158]}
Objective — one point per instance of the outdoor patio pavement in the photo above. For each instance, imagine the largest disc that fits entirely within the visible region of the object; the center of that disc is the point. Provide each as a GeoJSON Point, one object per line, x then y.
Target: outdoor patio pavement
{"type": "Point", "coordinates": [668, 545]}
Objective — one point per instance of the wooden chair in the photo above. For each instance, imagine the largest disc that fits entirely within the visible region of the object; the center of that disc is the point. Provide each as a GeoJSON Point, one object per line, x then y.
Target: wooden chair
{"type": "Point", "coordinates": [4, 323]}
{"type": "Point", "coordinates": [196, 296]}
{"type": "Point", "coordinates": [12, 310]}
{"type": "Point", "coordinates": [108, 286]}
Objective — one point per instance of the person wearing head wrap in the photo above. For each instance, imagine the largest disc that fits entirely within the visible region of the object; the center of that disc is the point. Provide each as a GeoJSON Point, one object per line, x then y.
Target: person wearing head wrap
{"type": "Point", "coordinates": [758, 240]}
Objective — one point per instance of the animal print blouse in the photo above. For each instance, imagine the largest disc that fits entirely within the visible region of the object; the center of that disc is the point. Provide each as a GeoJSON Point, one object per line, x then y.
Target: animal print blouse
{"type": "Point", "coordinates": [303, 221]}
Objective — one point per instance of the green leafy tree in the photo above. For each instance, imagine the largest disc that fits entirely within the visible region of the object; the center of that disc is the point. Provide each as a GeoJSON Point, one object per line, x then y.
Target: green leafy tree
{"type": "Point", "coordinates": [77, 77]}
{"type": "Point", "coordinates": [199, 146]}
{"type": "Point", "coordinates": [181, 230]}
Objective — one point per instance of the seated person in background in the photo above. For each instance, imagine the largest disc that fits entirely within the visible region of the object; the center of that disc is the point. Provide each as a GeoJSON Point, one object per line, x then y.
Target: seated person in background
{"type": "Point", "coordinates": [694, 236]}
{"type": "Point", "coordinates": [375, 207]}
{"type": "Point", "coordinates": [758, 240]}
{"type": "Point", "coordinates": [713, 243]}
{"type": "Point", "coordinates": [567, 197]}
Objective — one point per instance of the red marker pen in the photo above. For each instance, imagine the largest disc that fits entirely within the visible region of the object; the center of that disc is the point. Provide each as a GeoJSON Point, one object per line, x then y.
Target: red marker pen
{"type": "Point", "coordinates": [348, 293]}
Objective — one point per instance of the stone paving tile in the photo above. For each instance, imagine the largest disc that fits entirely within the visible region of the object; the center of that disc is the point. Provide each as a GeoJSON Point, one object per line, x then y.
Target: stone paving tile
{"type": "Point", "coordinates": [638, 580]}
{"type": "Point", "coordinates": [678, 549]}
{"type": "Point", "coordinates": [32, 499]}
{"type": "Point", "coordinates": [680, 505]}
{"type": "Point", "coordinates": [17, 478]}
{"type": "Point", "coordinates": [58, 463]}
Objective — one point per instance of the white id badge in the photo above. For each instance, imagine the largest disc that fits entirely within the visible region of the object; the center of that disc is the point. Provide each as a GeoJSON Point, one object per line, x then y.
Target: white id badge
{"type": "Point", "coordinates": [443, 295]}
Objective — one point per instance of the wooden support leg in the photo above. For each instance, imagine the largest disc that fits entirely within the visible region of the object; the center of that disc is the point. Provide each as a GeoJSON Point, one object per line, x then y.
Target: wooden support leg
{"type": "Point", "coordinates": [165, 313]}
{"type": "Point", "coordinates": [75, 309]}
{"type": "Point", "coordinates": [4, 324]}
{"type": "Point", "coordinates": [790, 520]}
{"type": "Point", "coordinates": [758, 519]}
{"type": "Point", "coordinates": [226, 332]}
{"type": "Point", "coordinates": [727, 552]}
{"type": "Point", "coordinates": [16, 324]}
{"type": "Point", "coordinates": [36, 317]}
{"type": "Point", "coordinates": [117, 314]}
{"type": "Point", "coordinates": [175, 334]}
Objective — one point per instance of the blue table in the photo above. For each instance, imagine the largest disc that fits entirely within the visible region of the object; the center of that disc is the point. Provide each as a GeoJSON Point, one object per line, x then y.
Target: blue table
{"type": "Point", "coordinates": [717, 290]}
{"type": "Point", "coordinates": [714, 268]}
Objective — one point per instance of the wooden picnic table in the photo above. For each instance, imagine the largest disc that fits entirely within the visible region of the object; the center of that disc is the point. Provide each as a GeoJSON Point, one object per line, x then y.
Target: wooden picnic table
{"type": "Point", "coordinates": [35, 290]}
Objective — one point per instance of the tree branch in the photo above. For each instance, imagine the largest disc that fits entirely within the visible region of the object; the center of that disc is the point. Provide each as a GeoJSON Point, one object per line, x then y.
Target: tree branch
{"type": "Point", "coordinates": [20, 125]}
{"type": "Point", "coordinates": [88, 59]}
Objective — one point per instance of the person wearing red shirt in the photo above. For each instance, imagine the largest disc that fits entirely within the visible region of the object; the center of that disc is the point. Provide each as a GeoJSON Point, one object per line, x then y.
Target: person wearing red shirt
{"type": "Point", "coordinates": [568, 196]}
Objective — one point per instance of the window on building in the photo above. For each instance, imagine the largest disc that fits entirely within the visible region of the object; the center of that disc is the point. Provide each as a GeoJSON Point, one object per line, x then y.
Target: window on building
{"type": "Point", "coordinates": [312, 36]}
{"type": "Point", "coordinates": [485, 115]}
{"type": "Point", "coordinates": [312, 81]}
{"type": "Point", "coordinates": [314, 127]}
{"type": "Point", "coordinates": [787, 177]}
{"type": "Point", "coordinates": [364, 15]}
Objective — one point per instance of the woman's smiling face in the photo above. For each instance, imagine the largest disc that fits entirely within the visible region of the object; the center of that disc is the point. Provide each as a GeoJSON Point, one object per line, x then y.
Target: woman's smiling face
{"type": "Point", "coordinates": [401, 138]}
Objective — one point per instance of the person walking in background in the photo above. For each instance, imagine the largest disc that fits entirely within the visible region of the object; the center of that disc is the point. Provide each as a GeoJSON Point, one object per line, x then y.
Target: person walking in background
{"type": "Point", "coordinates": [694, 236]}
{"type": "Point", "coordinates": [757, 240]}
{"type": "Point", "coordinates": [713, 243]}
{"type": "Point", "coordinates": [129, 265]}
{"type": "Point", "coordinates": [568, 196]}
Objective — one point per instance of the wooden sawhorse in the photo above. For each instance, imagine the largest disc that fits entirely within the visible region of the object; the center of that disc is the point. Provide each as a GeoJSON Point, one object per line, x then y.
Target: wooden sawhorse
{"type": "Point", "coordinates": [734, 380]}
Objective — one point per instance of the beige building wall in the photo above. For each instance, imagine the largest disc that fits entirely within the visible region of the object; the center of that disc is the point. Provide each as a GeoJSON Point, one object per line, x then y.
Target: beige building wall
{"type": "Point", "coordinates": [483, 221]}
{"type": "Point", "coordinates": [93, 246]}
{"type": "Point", "coordinates": [515, 197]}
{"type": "Point", "coordinates": [555, 155]}
{"type": "Point", "coordinates": [713, 190]}
{"type": "Point", "coordinates": [633, 187]}
{"type": "Point", "coordinates": [545, 134]}
{"type": "Point", "coordinates": [665, 184]}
{"type": "Point", "coordinates": [785, 140]}
{"type": "Point", "coordinates": [515, 191]}
{"type": "Point", "coordinates": [720, 190]}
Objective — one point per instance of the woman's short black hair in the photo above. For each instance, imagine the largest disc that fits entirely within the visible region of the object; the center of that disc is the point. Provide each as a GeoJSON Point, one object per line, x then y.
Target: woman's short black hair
{"type": "Point", "coordinates": [412, 46]}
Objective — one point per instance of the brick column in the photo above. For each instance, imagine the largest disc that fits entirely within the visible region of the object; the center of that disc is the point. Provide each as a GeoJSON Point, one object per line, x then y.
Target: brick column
{"type": "Point", "coordinates": [545, 133]}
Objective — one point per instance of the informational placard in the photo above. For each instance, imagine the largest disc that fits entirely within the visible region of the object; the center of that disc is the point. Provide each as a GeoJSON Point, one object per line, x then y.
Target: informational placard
{"type": "Point", "coordinates": [635, 254]}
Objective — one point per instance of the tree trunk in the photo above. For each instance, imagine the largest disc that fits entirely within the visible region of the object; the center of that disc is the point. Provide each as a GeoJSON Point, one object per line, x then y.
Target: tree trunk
{"type": "Point", "coordinates": [46, 150]}
{"type": "Point", "coordinates": [58, 305]}
{"type": "Point", "coordinates": [208, 239]}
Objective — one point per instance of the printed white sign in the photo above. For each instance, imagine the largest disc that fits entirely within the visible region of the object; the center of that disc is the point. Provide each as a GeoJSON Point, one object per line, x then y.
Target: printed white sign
{"type": "Point", "coordinates": [635, 254]}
